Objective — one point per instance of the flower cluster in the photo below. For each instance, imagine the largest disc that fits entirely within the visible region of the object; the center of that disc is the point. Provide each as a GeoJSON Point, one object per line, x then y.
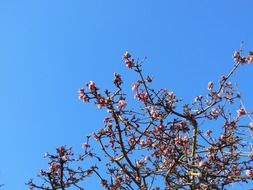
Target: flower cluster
{"type": "Point", "coordinates": [129, 61]}
{"type": "Point", "coordinates": [117, 79]}
{"type": "Point", "coordinates": [240, 59]}
{"type": "Point", "coordinates": [83, 96]}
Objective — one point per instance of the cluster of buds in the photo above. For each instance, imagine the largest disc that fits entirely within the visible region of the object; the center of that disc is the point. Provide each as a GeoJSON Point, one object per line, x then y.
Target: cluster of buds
{"type": "Point", "coordinates": [182, 141]}
{"type": "Point", "coordinates": [55, 169]}
{"type": "Point", "coordinates": [83, 96]}
{"type": "Point", "coordinates": [158, 129]}
{"type": "Point", "coordinates": [143, 97]}
{"type": "Point", "coordinates": [239, 59]}
{"type": "Point", "coordinates": [129, 61]}
{"type": "Point", "coordinates": [101, 101]}
{"type": "Point", "coordinates": [138, 93]}
{"type": "Point", "coordinates": [117, 79]}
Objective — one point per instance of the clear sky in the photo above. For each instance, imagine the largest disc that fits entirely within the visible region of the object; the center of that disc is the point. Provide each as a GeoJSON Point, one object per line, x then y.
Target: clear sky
{"type": "Point", "coordinates": [49, 48]}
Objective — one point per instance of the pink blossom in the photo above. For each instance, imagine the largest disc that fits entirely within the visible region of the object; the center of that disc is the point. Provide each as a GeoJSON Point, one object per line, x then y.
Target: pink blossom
{"type": "Point", "coordinates": [249, 173]}
{"type": "Point", "coordinates": [53, 166]}
{"type": "Point", "coordinates": [143, 97]}
{"type": "Point", "coordinates": [136, 86]}
{"type": "Point", "coordinates": [236, 56]}
{"type": "Point", "coordinates": [83, 96]}
{"type": "Point", "coordinates": [202, 163]}
{"type": "Point", "coordinates": [117, 79]}
{"type": "Point", "coordinates": [121, 104]}
{"type": "Point", "coordinates": [241, 112]}
{"type": "Point", "coordinates": [85, 145]}
{"type": "Point", "coordinates": [214, 112]}
{"type": "Point", "coordinates": [92, 85]}
{"type": "Point", "coordinates": [250, 59]}
{"type": "Point", "coordinates": [208, 132]}
{"type": "Point", "coordinates": [154, 113]}
{"type": "Point", "coordinates": [251, 155]}
{"type": "Point", "coordinates": [171, 95]}
{"type": "Point", "coordinates": [156, 130]}
{"type": "Point", "coordinates": [128, 127]}
{"type": "Point", "coordinates": [161, 127]}
{"type": "Point", "coordinates": [229, 83]}
{"type": "Point", "coordinates": [126, 55]}
{"type": "Point", "coordinates": [239, 59]}
{"type": "Point", "coordinates": [210, 85]}
{"type": "Point", "coordinates": [129, 63]}
{"type": "Point", "coordinates": [104, 182]}
{"type": "Point", "coordinates": [223, 137]}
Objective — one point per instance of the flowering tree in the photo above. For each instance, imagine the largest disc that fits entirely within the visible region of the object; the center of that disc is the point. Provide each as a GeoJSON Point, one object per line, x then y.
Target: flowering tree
{"type": "Point", "coordinates": [163, 143]}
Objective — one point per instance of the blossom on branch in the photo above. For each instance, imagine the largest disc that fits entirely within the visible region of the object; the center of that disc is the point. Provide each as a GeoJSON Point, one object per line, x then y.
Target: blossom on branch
{"type": "Point", "coordinates": [164, 142]}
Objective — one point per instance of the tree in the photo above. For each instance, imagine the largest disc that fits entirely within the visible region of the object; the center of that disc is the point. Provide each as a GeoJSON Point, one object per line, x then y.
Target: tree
{"type": "Point", "coordinates": [163, 143]}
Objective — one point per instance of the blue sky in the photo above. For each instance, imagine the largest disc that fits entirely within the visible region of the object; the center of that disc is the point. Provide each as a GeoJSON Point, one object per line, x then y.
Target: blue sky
{"type": "Point", "coordinates": [49, 48]}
